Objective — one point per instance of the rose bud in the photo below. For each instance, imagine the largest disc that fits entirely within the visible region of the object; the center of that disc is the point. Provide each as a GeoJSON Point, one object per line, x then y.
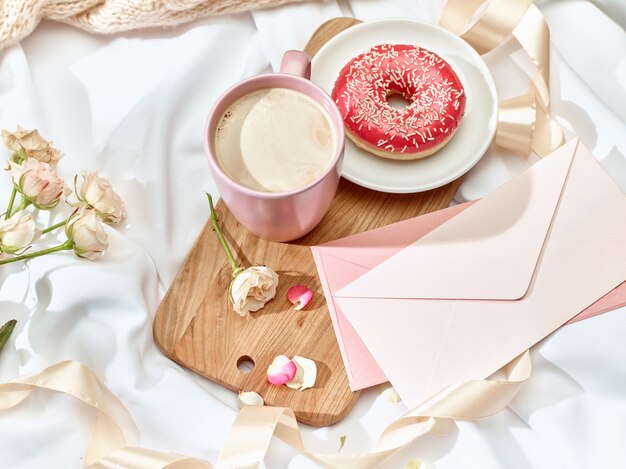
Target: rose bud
{"type": "Point", "coordinates": [17, 233]}
{"type": "Point", "coordinates": [85, 230]}
{"type": "Point", "coordinates": [252, 288]}
{"type": "Point", "coordinates": [96, 192]}
{"type": "Point", "coordinates": [32, 144]}
{"type": "Point", "coordinates": [38, 182]}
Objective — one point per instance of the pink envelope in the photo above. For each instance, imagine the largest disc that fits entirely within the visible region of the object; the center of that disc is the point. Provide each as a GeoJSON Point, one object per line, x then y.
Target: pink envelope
{"type": "Point", "coordinates": [342, 261]}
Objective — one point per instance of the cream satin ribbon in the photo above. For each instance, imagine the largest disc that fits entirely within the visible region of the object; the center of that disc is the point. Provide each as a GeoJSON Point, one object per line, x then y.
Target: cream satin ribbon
{"type": "Point", "coordinates": [524, 122]}
{"type": "Point", "coordinates": [254, 427]}
{"type": "Point", "coordinates": [107, 446]}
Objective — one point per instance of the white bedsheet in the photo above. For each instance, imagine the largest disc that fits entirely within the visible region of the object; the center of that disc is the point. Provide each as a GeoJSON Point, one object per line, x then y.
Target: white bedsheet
{"type": "Point", "coordinates": [133, 108]}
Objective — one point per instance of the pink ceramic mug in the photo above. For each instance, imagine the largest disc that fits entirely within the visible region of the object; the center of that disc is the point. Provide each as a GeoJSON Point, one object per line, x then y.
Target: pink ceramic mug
{"type": "Point", "coordinates": [278, 216]}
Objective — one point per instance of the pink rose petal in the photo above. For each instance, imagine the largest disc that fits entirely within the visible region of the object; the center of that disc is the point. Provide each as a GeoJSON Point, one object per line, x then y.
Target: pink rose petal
{"type": "Point", "coordinates": [300, 296]}
{"type": "Point", "coordinates": [282, 370]}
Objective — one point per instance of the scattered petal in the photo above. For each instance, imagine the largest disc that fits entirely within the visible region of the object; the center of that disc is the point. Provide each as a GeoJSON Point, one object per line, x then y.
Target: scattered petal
{"type": "Point", "coordinates": [282, 370]}
{"type": "Point", "coordinates": [342, 441]}
{"type": "Point", "coordinates": [300, 296]}
{"type": "Point", "coordinates": [391, 395]}
{"type": "Point", "coordinates": [306, 374]}
{"type": "Point", "coordinates": [249, 398]}
{"type": "Point", "coordinates": [415, 464]}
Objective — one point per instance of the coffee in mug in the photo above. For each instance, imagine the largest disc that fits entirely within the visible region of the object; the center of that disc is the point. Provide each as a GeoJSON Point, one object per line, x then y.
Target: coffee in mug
{"type": "Point", "coordinates": [275, 145]}
{"type": "Point", "coordinates": [275, 140]}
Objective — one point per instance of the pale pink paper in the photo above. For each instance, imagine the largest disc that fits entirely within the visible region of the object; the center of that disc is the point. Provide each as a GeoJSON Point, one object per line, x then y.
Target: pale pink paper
{"type": "Point", "coordinates": [342, 261]}
{"type": "Point", "coordinates": [445, 332]}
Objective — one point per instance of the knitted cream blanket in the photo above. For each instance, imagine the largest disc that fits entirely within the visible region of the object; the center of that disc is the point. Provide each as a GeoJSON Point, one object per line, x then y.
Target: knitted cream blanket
{"type": "Point", "coordinates": [19, 17]}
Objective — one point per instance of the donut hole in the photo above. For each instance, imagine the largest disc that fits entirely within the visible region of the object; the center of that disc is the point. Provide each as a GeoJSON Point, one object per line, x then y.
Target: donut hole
{"type": "Point", "coordinates": [397, 100]}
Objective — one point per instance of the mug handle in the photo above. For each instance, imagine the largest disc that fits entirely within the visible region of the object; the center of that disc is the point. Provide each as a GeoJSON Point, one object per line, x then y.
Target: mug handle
{"type": "Point", "coordinates": [296, 62]}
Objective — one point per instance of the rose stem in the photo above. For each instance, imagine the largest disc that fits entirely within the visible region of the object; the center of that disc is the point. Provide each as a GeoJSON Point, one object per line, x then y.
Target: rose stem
{"type": "Point", "coordinates": [7, 215]}
{"type": "Point", "coordinates": [54, 227]}
{"type": "Point", "coordinates": [61, 247]}
{"type": "Point", "coordinates": [19, 157]}
{"type": "Point", "coordinates": [229, 254]}
{"type": "Point", "coordinates": [23, 204]}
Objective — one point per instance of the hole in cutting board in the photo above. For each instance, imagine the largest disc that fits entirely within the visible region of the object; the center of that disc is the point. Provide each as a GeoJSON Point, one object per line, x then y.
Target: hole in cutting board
{"type": "Point", "coordinates": [245, 364]}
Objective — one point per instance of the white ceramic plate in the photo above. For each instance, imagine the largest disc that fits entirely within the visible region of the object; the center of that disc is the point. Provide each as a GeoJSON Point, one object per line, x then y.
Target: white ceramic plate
{"type": "Point", "coordinates": [474, 134]}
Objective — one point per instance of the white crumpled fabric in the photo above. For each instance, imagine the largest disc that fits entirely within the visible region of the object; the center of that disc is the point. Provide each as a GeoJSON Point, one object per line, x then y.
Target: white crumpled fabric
{"type": "Point", "coordinates": [133, 107]}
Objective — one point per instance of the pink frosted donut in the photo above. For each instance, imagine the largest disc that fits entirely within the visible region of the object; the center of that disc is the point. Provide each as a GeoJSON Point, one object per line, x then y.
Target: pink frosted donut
{"type": "Point", "coordinates": [434, 93]}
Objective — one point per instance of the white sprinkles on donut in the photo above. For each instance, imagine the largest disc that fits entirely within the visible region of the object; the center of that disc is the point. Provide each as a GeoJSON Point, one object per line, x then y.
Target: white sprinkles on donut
{"type": "Point", "coordinates": [434, 92]}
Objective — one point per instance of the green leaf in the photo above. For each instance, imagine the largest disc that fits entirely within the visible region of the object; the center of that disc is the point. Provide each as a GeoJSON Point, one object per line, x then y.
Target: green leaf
{"type": "Point", "coordinates": [342, 440]}
{"type": "Point", "coordinates": [5, 332]}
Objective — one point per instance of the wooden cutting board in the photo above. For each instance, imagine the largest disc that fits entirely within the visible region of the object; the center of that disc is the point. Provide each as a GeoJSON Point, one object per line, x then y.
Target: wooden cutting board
{"type": "Point", "coordinates": [196, 326]}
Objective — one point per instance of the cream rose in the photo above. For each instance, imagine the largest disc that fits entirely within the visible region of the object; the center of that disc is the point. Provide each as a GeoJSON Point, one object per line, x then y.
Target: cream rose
{"type": "Point", "coordinates": [17, 233]}
{"type": "Point", "coordinates": [97, 193]}
{"type": "Point", "coordinates": [33, 144]}
{"type": "Point", "coordinates": [85, 230]}
{"type": "Point", "coordinates": [252, 288]}
{"type": "Point", "coordinates": [38, 182]}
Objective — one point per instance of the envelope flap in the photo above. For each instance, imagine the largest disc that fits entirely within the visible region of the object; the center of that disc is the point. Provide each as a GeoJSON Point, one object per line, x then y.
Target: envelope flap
{"type": "Point", "coordinates": [488, 251]}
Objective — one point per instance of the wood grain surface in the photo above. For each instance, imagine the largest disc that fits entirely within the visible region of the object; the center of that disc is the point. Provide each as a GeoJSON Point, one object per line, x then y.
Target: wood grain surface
{"type": "Point", "coordinates": [196, 326]}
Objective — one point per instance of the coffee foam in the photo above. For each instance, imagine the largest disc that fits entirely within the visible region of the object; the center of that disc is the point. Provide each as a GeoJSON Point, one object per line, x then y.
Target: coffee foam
{"type": "Point", "coordinates": [275, 140]}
